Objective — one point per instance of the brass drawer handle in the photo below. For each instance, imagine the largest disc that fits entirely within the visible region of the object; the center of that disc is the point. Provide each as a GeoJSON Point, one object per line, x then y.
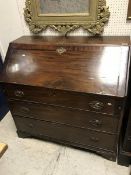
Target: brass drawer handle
{"type": "Point", "coordinates": [52, 93]}
{"type": "Point", "coordinates": [19, 93]}
{"type": "Point", "coordinates": [40, 135]}
{"type": "Point", "coordinates": [25, 109]}
{"type": "Point", "coordinates": [96, 123]}
{"type": "Point", "coordinates": [30, 125]}
{"type": "Point", "coordinates": [96, 105]}
{"type": "Point", "coordinates": [61, 50]}
{"type": "Point", "coordinates": [94, 139]}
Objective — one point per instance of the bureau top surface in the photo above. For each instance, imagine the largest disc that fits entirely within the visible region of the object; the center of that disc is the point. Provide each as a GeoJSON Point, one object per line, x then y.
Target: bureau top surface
{"type": "Point", "coordinates": [39, 41]}
{"type": "Point", "coordinates": [81, 64]}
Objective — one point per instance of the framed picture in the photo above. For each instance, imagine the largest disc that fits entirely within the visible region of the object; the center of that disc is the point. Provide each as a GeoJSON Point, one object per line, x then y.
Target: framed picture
{"type": "Point", "coordinates": [66, 15]}
{"type": "Point", "coordinates": [62, 7]}
{"type": "Point", "coordinates": [129, 10]}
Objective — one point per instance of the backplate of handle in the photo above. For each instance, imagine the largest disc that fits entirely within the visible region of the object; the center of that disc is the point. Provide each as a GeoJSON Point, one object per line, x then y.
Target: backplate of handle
{"type": "Point", "coordinates": [96, 122]}
{"type": "Point", "coordinates": [19, 93]}
{"type": "Point", "coordinates": [94, 139]}
{"type": "Point", "coordinates": [61, 50]}
{"type": "Point", "coordinates": [96, 105]}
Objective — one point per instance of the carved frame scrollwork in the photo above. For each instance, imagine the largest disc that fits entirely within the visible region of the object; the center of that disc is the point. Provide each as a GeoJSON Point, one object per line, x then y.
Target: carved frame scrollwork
{"type": "Point", "coordinates": [94, 23]}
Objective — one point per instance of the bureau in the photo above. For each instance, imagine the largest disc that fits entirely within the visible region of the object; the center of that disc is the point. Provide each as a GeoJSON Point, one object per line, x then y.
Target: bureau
{"type": "Point", "coordinates": [68, 90]}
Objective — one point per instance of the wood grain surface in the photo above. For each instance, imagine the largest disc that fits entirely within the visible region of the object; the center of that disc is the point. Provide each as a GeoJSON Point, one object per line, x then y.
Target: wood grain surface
{"type": "Point", "coordinates": [97, 69]}
{"type": "Point", "coordinates": [69, 90]}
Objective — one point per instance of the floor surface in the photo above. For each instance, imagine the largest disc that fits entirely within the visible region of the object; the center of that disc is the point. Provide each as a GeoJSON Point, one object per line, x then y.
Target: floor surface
{"type": "Point", "coordinates": [36, 157]}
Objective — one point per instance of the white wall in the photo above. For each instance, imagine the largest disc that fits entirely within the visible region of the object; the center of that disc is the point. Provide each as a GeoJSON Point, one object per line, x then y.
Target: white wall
{"type": "Point", "coordinates": [12, 24]}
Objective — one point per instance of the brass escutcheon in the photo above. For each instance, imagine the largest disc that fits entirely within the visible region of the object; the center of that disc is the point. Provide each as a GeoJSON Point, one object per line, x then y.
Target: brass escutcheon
{"type": "Point", "coordinates": [19, 93]}
{"type": "Point", "coordinates": [96, 105]}
{"type": "Point", "coordinates": [61, 50]}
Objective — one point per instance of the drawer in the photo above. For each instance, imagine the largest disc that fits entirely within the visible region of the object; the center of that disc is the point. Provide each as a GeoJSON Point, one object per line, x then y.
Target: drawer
{"type": "Point", "coordinates": [64, 133]}
{"type": "Point", "coordinates": [68, 116]}
{"type": "Point", "coordinates": [91, 102]}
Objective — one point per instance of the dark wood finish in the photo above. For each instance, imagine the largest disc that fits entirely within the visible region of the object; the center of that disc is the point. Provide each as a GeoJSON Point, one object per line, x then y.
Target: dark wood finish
{"type": "Point", "coordinates": [124, 155]}
{"type": "Point", "coordinates": [81, 68]}
{"type": "Point", "coordinates": [104, 153]}
{"type": "Point", "coordinates": [56, 114]}
{"type": "Point", "coordinates": [129, 11]}
{"type": "Point", "coordinates": [127, 144]}
{"type": "Point", "coordinates": [127, 137]}
{"type": "Point", "coordinates": [39, 42]}
{"type": "Point", "coordinates": [65, 133]}
{"type": "Point", "coordinates": [124, 158]}
{"type": "Point", "coordinates": [124, 149]}
{"type": "Point", "coordinates": [107, 105]}
{"type": "Point", "coordinates": [68, 90]}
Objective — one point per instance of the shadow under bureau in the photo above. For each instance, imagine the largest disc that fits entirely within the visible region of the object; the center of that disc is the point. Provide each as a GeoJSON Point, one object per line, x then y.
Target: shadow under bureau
{"type": "Point", "coordinates": [68, 90]}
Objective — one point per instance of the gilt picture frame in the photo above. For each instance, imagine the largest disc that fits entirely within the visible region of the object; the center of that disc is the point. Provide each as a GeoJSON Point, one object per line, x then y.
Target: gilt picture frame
{"type": "Point", "coordinates": [65, 16]}
{"type": "Point", "coordinates": [129, 11]}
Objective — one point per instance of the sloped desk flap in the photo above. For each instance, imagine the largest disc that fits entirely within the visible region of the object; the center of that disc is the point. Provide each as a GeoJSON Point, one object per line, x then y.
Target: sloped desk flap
{"type": "Point", "coordinates": [99, 69]}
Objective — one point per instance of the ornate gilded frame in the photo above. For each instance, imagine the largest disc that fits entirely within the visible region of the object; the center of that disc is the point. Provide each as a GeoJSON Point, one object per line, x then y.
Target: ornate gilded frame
{"type": "Point", "coordinates": [129, 11]}
{"type": "Point", "coordinates": [93, 23]}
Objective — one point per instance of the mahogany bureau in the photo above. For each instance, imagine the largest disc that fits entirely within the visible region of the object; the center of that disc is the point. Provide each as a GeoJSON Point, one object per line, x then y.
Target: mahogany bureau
{"type": "Point", "coordinates": [68, 90]}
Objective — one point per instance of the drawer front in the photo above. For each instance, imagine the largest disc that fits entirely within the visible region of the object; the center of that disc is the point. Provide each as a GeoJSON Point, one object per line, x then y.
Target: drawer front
{"type": "Point", "coordinates": [68, 116]}
{"type": "Point", "coordinates": [97, 103]}
{"type": "Point", "coordinates": [65, 133]}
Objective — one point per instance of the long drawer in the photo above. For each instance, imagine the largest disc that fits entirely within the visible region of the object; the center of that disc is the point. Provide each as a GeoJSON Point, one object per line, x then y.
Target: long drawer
{"type": "Point", "coordinates": [65, 133]}
{"type": "Point", "coordinates": [91, 102]}
{"type": "Point", "coordinates": [68, 116]}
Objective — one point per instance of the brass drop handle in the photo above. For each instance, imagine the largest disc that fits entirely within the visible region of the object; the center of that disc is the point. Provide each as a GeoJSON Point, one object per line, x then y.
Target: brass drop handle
{"type": "Point", "coordinates": [94, 139]}
{"type": "Point", "coordinates": [52, 93]}
{"type": "Point", "coordinates": [61, 50]}
{"type": "Point", "coordinates": [30, 125]}
{"type": "Point", "coordinates": [96, 105]}
{"type": "Point", "coordinates": [25, 109]}
{"type": "Point", "coordinates": [19, 93]}
{"type": "Point", "coordinates": [40, 135]}
{"type": "Point", "coordinates": [96, 123]}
